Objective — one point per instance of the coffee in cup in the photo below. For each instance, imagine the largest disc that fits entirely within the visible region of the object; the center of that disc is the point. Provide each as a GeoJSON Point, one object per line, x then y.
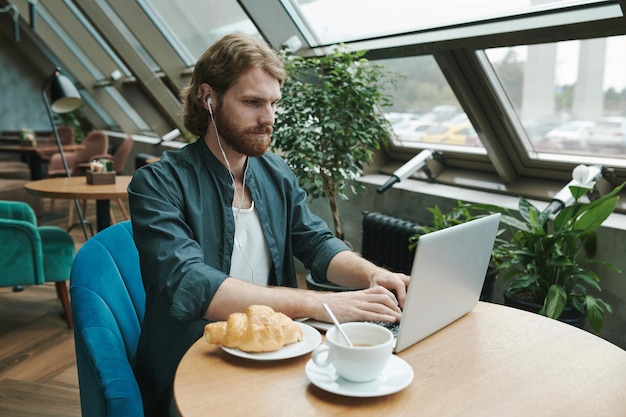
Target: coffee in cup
{"type": "Point", "coordinates": [365, 360]}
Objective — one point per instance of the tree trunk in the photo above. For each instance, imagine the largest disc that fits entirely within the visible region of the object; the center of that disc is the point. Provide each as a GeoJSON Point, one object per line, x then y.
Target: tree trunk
{"type": "Point", "coordinates": [331, 194]}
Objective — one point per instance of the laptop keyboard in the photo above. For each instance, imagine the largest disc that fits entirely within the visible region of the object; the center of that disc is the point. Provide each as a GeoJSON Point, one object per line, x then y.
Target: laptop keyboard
{"type": "Point", "coordinates": [389, 325]}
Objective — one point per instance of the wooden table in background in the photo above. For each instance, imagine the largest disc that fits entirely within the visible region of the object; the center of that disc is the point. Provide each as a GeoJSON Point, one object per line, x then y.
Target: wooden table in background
{"type": "Point", "coordinates": [76, 188]}
{"type": "Point", "coordinates": [32, 154]}
{"type": "Point", "coordinates": [495, 361]}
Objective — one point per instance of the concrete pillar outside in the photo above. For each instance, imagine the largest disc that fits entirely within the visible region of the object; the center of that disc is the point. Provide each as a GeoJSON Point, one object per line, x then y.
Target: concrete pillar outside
{"type": "Point", "coordinates": [538, 93]}
{"type": "Point", "coordinates": [588, 101]}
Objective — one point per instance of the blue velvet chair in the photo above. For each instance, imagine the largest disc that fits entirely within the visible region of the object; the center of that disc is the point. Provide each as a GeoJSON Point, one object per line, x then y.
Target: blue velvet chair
{"type": "Point", "coordinates": [108, 300]}
{"type": "Point", "coordinates": [33, 255]}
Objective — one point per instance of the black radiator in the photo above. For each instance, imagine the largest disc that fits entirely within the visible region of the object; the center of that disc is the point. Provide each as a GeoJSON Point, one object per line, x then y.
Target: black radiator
{"type": "Point", "coordinates": [386, 241]}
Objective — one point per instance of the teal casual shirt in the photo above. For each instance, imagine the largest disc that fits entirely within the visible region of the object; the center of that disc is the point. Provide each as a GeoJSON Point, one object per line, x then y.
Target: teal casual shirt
{"type": "Point", "coordinates": [183, 223]}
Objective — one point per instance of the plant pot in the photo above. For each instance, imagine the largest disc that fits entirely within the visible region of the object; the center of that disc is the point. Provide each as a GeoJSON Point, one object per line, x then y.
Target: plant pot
{"type": "Point", "coordinates": [96, 178]}
{"type": "Point", "coordinates": [569, 315]}
{"type": "Point", "coordinates": [486, 293]}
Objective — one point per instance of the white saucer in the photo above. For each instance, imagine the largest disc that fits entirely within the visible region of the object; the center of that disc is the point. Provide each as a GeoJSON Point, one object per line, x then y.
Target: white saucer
{"type": "Point", "coordinates": [396, 376]}
{"type": "Point", "coordinates": [311, 339]}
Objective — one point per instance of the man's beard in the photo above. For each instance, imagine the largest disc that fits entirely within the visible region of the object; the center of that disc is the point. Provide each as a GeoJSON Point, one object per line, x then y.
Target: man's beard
{"type": "Point", "coordinates": [243, 140]}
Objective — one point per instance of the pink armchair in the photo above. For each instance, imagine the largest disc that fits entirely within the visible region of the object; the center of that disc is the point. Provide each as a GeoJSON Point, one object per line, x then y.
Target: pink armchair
{"type": "Point", "coordinates": [96, 143]}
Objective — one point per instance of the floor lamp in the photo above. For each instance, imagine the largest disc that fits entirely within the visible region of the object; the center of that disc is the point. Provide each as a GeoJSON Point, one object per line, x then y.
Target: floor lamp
{"type": "Point", "coordinates": [64, 98]}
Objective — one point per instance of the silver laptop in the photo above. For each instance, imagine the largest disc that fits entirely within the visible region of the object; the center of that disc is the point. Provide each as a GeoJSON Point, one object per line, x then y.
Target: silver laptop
{"type": "Point", "coordinates": [447, 278]}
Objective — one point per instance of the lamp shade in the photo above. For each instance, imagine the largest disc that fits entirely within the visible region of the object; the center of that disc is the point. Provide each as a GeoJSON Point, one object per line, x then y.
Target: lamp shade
{"type": "Point", "coordinates": [64, 96]}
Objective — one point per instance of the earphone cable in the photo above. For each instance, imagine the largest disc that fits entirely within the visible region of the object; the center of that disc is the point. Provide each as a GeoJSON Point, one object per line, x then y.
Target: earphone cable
{"type": "Point", "coordinates": [237, 194]}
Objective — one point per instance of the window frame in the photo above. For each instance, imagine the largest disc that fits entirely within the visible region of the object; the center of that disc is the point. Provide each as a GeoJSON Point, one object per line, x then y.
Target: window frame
{"type": "Point", "coordinates": [459, 52]}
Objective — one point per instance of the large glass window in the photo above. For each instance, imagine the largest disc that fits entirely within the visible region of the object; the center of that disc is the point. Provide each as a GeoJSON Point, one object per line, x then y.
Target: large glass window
{"type": "Point", "coordinates": [108, 121]}
{"type": "Point", "coordinates": [425, 111]}
{"type": "Point", "coordinates": [119, 23]}
{"type": "Point", "coordinates": [97, 37]}
{"type": "Point", "coordinates": [192, 25]}
{"type": "Point", "coordinates": [570, 96]}
{"type": "Point", "coordinates": [66, 38]}
{"type": "Point", "coordinates": [333, 21]}
{"type": "Point", "coordinates": [128, 109]}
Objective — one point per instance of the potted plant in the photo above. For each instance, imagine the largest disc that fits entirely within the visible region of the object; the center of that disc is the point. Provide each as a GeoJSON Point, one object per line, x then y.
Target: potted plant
{"type": "Point", "coordinates": [548, 257]}
{"type": "Point", "coordinates": [76, 121]}
{"type": "Point", "coordinates": [329, 122]}
{"type": "Point", "coordinates": [27, 136]}
{"type": "Point", "coordinates": [461, 213]}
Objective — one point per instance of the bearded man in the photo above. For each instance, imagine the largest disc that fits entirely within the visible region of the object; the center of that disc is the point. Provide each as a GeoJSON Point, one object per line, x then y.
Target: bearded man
{"type": "Point", "coordinates": [219, 222]}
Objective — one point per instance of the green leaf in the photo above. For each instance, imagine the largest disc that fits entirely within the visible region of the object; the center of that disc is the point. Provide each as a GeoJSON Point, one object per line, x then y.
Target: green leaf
{"type": "Point", "coordinates": [590, 278]}
{"type": "Point", "coordinates": [555, 301]}
{"type": "Point", "coordinates": [595, 215]}
{"type": "Point", "coordinates": [523, 281]}
{"type": "Point", "coordinates": [595, 313]}
{"type": "Point", "coordinates": [578, 192]}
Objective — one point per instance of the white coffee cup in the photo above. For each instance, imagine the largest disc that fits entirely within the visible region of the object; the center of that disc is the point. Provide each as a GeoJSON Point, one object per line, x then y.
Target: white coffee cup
{"type": "Point", "coordinates": [372, 348]}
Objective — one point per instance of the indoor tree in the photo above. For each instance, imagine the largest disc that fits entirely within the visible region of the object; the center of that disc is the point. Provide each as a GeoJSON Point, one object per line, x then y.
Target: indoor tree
{"type": "Point", "coordinates": [329, 122]}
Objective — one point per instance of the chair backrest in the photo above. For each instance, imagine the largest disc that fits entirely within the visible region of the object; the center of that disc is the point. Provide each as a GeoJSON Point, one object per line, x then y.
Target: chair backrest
{"type": "Point", "coordinates": [121, 154]}
{"type": "Point", "coordinates": [20, 242]}
{"type": "Point", "coordinates": [108, 302]}
{"type": "Point", "coordinates": [17, 210]}
{"type": "Point", "coordinates": [66, 134]}
{"type": "Point", "coordinates": [95, 143]}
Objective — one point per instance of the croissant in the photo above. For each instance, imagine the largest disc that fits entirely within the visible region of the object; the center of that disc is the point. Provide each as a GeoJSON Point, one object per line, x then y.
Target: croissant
{"type": "Point", "coordinates": [259, 329]}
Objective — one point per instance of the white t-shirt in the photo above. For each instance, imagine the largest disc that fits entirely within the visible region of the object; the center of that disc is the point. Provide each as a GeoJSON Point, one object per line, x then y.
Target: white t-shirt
{"type": "Point", "coordinates": [251, 260]}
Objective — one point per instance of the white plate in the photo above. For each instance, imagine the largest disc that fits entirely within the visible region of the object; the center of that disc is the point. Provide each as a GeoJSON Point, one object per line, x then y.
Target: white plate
{"type": "Point", "coordinates": [311, 339]}
{"type": "Point", "coordinates": [396, 376]}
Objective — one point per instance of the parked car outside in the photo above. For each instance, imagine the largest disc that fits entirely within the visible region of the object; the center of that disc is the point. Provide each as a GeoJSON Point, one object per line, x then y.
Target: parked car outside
{"type": "Point", "coordinates": [609, 132]}
{"type": "Point", "coordinates": [570, 135]}
{"type": "Point", "coordinates": [463, 134]}
{"type": "Point", "coordinates": [460, 118]}
{"type": "Point", "coordinates": [397, 118]}
{"type": "Point", "coordinates": [412, 130]}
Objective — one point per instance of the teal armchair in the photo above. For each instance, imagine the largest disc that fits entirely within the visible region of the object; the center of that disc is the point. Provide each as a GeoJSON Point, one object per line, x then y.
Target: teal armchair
{"type": "Point", "coordinates": [33, 255]}
{"type": "Point", "coordinates": [109, 302]}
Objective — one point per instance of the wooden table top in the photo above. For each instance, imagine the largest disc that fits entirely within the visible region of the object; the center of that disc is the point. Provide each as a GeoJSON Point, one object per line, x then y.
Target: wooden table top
{"type": "Point", "coordinates": [495, 361]}
{"type": "Point", "coordinates": [39, 148]}
{"type": "Point", "coordinates": [77, 188]}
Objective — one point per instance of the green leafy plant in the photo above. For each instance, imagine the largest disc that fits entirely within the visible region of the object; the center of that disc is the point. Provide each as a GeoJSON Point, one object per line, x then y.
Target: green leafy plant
{"type": "Point", "coordinates": [329, 122]}
{"type": "Point", "coordinates": [189, 137]}
{"type": "Point", "coordinates": [27, 136]}
{"type": "Point", "coordinates": [75, 120]}
{"type": "Point", "coordinates": [547, 259]}
{"type": "Point", "coordinates": [461, 213]}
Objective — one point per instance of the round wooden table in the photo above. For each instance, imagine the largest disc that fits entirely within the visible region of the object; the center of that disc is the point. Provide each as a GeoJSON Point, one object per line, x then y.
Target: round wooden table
{"type": "Point", "coordinates": [76, 188]}
{"type": "Point", "coordinates": [495, 361]}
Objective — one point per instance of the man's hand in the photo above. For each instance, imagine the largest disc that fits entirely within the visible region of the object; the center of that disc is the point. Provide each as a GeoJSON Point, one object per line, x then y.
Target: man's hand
{"type": "Point", "coordinates": [351, 271]}
{"type": "Point", "coordinates": [395, 282]}
{"type": "Point", "coordinates": [372, 304]}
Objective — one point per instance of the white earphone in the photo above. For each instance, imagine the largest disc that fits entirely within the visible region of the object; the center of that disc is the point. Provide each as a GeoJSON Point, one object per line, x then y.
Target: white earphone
{"type": "Point", "coordinates": [208, 103]}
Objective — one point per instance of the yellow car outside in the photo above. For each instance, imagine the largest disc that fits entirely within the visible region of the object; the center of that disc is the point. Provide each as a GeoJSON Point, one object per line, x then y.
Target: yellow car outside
{"type": "Point", "coordinates": [452, 135]}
